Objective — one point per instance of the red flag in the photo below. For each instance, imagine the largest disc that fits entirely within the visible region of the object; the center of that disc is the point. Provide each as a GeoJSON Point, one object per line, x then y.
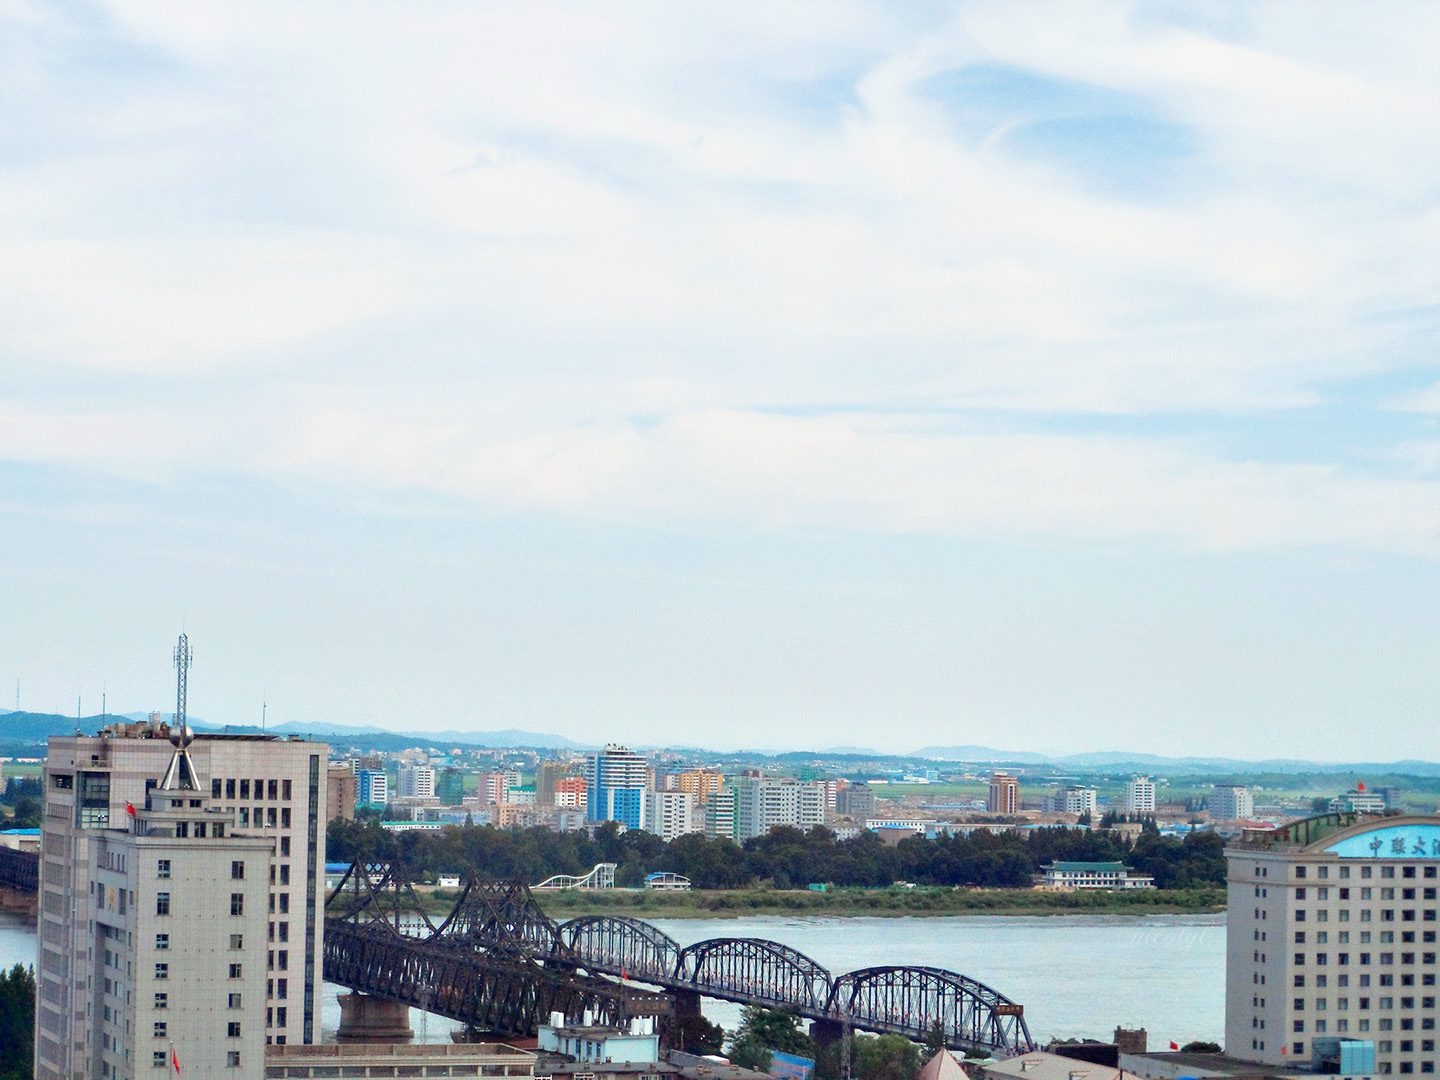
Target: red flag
{"type": "Point", "coordinates": [1284, 1050]}
{"type": "Point", "coordinates": [624, 974]}
{"type": "Point", "coordinates": [130, 808]}
{"type": "Point", "coordinates": [174, 1061]}
{"type": "Point", "coordinates": [1359, 786]}
{"type": "Point", "coordinates": [1174, 1046]}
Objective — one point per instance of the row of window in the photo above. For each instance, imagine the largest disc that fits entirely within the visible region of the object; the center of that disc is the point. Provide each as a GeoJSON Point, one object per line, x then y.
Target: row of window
{"type": "Point", "coordinates": [1384, 959]}
{"type": "Point", "coordinates": [265, 790]}
{"type": "Point", "coordinates": [1322, 872]}
{"type": "Point", "coordinates": [160, 1059]}
{"type": "Point", "coordinates": [161, 1028]}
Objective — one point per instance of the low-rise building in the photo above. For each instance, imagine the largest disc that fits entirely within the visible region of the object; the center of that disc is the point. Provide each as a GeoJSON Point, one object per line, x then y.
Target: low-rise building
{"type": "Point", "coordinates": [1092, 875]}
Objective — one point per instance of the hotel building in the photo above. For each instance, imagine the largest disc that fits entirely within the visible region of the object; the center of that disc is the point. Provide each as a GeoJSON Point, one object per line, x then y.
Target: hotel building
{"type": "Point", "coordinates": [1331, 945]}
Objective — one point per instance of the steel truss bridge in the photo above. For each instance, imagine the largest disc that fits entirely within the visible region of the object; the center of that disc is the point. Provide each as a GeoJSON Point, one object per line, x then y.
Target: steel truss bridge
{"type": "Point", "coordinates": [907, 1001]}
{"type": "Point", "coordinates": [495, 962]}
{"type": "Point", "coordinates": [20, 870]}
{"type": "Point", "coordinates": [498, 962]}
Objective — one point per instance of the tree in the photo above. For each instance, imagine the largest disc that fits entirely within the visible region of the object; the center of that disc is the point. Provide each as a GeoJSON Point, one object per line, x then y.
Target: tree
{"type": "Point", "coordinates": [887, 1057]}
{"type": "Point", "coordinates": [934, 1040]}
{"type": "Point", "coordinates": [1200, 1047]}
{"type": "Point", "coordinates": [17, 1023]}
{"type": "Point", "coordinates": [696, 1035]}
{"type": "Point", "coordinates": [763, 1031]}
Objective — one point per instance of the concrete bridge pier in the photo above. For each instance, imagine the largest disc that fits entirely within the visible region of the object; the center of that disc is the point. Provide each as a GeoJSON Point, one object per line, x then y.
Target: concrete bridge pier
{"type": "Point", "coordinates": [364, 1018]}
{"type": "Point", "coordinates": [686, 1002]}
{"type": "Point", "coordinates": [826, 1032]}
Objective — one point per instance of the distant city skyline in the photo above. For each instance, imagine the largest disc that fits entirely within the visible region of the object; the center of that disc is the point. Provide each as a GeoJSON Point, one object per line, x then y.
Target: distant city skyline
{"type": "Point", "coordinates": [1042, 376]}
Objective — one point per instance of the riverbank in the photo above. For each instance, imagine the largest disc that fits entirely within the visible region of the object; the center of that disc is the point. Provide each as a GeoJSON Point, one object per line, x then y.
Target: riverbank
{"type": "Point", "coordinates": [735, 903]}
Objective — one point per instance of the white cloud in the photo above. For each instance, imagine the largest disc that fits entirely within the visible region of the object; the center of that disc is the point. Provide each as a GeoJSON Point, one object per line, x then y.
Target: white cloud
{"type": "Point", "coordinates": [466, 248]}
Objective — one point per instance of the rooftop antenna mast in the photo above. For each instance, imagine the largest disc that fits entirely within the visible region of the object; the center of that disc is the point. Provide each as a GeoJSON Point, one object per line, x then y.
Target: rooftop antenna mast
{"type": "Point", "coordinates": [180, 776]}
{"type": "Point", "coordinates": [183, 656]}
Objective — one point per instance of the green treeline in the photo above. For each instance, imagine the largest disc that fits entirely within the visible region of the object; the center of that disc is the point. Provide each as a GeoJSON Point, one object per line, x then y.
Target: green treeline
{"type": "Point", "coordinates": [785, 858]}
{"type": "Point", "coordinates": [17, 1023]}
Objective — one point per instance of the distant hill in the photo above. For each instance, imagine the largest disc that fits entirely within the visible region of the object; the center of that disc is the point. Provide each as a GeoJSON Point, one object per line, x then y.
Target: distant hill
{"type": "Point", "coordinates": [23, 734]}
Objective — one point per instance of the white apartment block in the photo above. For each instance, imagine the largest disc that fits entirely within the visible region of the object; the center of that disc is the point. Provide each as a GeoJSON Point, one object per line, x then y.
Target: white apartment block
{"type": "Point", "coordinates": [1230, 802]}
{"type": "Point", "coordinates": [1331, 945]}
{"type": "Point", "coordinates": [271, 787]}
{"type": "Point", "coordinates": [417, 782]}
{"type": "Point", "coordinates": [1140, 796]}
{"type": "Point", "coordinates": [720, 814]}
{"type": "Point", "coordinates": [763, 802]}
{"type": "Point", "coordinates": [675, 813]}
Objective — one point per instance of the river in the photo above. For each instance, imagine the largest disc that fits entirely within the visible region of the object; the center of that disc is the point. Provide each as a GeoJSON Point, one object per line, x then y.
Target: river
{"type": "Point", "coordinates": [1077, 975]}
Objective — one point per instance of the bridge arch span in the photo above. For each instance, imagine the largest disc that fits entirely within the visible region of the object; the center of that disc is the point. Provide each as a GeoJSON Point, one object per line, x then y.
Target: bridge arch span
{"type": "Point", "coordinates": [907, 999]}
{"type": "Point", "coordinates": [756, 970]}
{"type": "Point", "coordinates": [623, 946]}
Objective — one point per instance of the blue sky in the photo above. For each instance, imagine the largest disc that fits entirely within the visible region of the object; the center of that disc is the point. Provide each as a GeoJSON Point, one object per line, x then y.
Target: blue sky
{"type": "Point", "coordinates": [1060, 377]}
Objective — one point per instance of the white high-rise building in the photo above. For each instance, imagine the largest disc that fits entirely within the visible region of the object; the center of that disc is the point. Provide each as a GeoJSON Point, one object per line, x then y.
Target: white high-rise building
{"type": "Point", "coordinates": [763, 802]}
{"type": "Point", "coordinates": [1074, 800]}
{"type": "Point", "coordinates": [1230, 802]}
{"type": "Point", "coordinates": [720, 814]}
{"type": "Point", "coordinates": [619, 787]}
{"type": "Point", "coordinates": [417, 782]}
{"type": "Point", "coordinates": [271, 787]}
{"type": "Point", "coordinates": [1331, 945]}
{"type": "Point", "coordinates": [1140, 796]}
{"type": "Point", "coordinates": [169, 912]}
{"type": "Point", "coordinates": [675, 813]}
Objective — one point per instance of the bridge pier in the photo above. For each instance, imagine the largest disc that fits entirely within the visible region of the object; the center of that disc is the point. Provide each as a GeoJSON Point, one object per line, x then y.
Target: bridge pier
{"type": "Point", "coordinates": [826, 1032]}
{"type": "Point", "coordinates": [364, 1018]}
{"type": "Point", "coordinates": [687, 1003]}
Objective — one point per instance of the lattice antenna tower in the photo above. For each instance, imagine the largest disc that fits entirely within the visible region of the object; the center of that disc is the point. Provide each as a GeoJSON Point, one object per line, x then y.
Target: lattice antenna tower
{"type": "Point", "coordinates": [183, 656]}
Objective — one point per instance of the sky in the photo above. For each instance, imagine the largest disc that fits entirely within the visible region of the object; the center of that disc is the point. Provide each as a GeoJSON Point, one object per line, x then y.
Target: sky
{"type": "Point", "coordinates": [1057, 377]}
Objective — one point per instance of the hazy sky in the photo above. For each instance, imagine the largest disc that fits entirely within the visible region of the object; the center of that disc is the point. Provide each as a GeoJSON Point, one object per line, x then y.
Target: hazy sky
{"type": "Point", "coordinates": [1057, 377]}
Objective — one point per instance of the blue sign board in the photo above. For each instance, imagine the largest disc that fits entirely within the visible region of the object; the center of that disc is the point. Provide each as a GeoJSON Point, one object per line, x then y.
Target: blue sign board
{"type": "Point", "coordinates": [1391, 842]}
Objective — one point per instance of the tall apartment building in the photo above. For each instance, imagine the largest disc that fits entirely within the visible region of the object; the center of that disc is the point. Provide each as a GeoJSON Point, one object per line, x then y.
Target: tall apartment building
{"type": "Point", "coordinates": [1230, 802]}
{"type": "Point", "coordinates": [417, 782]}
{"type": "Point", "coordinates": [373, 788]}
{"type": "Point", "coordinates": [675, 813]}
{"type": "Point", "coordinates": [570, 793]}
{"type": "Point", "coordinates": [763, 802]}
{"type": "Point", "coordinates": [702, 783]}
{"type": "Point", "coordinates": [856, 801]}
{"type": "Point", "coordinates": [1331, 945]}
{"type": "Point", "coordinates": [1140, 795]}
{"type": "Point", "coordinates": [1073, 800]}
{"type": "Point", "coordinates": [1004, 796]}
{"type": "Point", "coordinates": [450, 786]}
{"type": "Point", "coordinates": [618, 787]}
{"type": "Point", "coordinates": [249, 786]}
{"type": "Point", "coordinates": [720, 814]}
{"type": "Point", "coordinates": [341, 789]}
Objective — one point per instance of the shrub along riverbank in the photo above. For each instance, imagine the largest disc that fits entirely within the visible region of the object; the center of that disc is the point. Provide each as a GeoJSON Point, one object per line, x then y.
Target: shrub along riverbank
{"type": "Point", "coordinates": [713, 903]}
{"type": "Point", "coordinates": [850, 903]}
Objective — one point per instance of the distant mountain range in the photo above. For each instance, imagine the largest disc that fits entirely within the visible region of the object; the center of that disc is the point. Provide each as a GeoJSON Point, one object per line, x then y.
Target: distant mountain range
{"type": "Point", "coordinates": [1121, 761]}
{"type": "Point", "coordinates": [23, 734]}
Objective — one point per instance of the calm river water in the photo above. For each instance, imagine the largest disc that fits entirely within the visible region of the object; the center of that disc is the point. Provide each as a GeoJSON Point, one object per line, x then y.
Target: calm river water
{"type": "Point", "coordinates": [1076, 975]}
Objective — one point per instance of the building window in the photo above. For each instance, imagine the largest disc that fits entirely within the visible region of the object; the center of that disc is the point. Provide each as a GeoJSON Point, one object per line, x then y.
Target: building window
{"type": "Point", "coordinates": [237, 941]}
{"type": "Point", "coordinates": [162, 1001]}
{"type": "Point", "coordinates": [232, 1059]}
{"type": "Point", "coordinates": [162, 869]}
{"type": "Point", "coordinates": [237, 871]}
{"type": "Point", "coordinates": [235, 971]}
{"type": "Point", "coordinates": [234, 1001]}
{"type": "Point", "coordinates": [233, 1029]}
{"type": "Point", "coordinates": [157, 1060]}
{"type": "Point", "coordinates": [162, 903]}
{"type": "Point", "coordinates": [237, 903]}
{"type": "Point", "coordinates": [161, 1029]}
{"type": "Point", "coordinates": [162, 942]}
{"type": "Point", "coordinates": [162, 971]}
